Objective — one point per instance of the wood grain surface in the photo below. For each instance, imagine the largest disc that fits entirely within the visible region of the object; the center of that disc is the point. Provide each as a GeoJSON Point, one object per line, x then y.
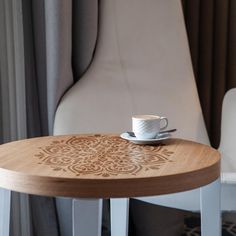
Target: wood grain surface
{"type": "Point", "coordinates": [105, 166]}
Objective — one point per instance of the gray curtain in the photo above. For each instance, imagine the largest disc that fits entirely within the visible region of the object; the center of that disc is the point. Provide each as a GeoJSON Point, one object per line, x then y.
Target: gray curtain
{"type": "Point", "coordinates": [35, 71]}
{"type": "Point", "coordinates": [212, 38]}
{"type": "Point", "coordinates": [47, 44]}
{"type": "Point", "coordinates": [47, 47]}
{"type": "Point", "coordinates": [51, 29]}
{"type": "Point", "coordinates": [12, 98]}
{"type": "Point", "coordinates": [36, 61]}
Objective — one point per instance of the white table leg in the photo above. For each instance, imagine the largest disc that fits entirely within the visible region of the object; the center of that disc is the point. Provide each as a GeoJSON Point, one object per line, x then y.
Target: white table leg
{"type": "Point", "coordinates": [119, 216]}
{"type": "Point", "coordinates": [5, 207]}
{"type": "Point", "coordinates": [87, 217]}
{"type": "Point", "coordinates": [210, 209]}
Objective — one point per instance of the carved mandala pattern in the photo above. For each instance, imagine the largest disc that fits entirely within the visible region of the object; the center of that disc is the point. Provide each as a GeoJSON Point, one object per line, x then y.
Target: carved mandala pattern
{"type": "Point", "coordinates": [102, 156]}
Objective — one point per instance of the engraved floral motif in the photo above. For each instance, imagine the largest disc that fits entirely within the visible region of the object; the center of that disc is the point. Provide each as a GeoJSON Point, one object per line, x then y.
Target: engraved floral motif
{"type": "Point", "coordinates": [101, 155]}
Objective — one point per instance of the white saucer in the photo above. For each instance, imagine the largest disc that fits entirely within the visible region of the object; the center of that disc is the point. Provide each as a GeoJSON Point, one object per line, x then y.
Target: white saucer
{"type": "Point", "coordinates": [156, 140]}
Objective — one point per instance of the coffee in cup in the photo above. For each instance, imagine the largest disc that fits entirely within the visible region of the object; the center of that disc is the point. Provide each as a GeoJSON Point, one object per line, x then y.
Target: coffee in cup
{"type": "Point", "coordinates": [148, 126]}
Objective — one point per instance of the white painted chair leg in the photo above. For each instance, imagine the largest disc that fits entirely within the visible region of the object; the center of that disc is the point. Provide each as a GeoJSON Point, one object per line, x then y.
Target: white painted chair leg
{"type": "Point", "coordinates": [5, 206]}
{"type": "Point", "coordinates": [119, 216]}
{"type": "Point", "coordinates": [210, 209]}
{"type": "Point", "coordinates": [87, 217]}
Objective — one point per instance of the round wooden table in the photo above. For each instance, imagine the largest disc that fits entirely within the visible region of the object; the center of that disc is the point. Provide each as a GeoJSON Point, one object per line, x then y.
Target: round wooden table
{"type": "Point", "coordinates": [105, 166]}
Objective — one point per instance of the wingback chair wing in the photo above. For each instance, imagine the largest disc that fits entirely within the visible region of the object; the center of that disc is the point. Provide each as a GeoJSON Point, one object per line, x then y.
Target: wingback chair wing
{"type": "Point", "coordinates": [228, 139]}
{"type": "Point", "coordinates": [141, 65]}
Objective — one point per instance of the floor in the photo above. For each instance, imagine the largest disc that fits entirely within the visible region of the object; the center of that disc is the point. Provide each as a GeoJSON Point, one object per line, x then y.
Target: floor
{"type": "Point", "coordinates": [192, 227]}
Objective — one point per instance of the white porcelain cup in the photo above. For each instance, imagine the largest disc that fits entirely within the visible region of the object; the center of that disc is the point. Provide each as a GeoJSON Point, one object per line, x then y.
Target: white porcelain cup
{"type": "Point", "coordinates": [148, 126]}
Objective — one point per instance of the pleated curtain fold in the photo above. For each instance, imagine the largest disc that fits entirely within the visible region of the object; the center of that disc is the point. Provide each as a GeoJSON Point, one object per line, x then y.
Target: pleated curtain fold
{"type": "Point", "coordinates": [211, 28]}
{"type": "Point", "coordinates": [36, 60]}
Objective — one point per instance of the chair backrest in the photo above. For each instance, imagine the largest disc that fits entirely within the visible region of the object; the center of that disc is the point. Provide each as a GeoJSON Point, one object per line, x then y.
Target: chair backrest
{"type": "Point", "coordinates": [228, 130]}
{"type": "Point", "coordinates": [142, 65]}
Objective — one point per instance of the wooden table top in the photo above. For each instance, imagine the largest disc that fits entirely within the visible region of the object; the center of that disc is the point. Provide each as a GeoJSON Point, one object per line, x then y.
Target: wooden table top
{"type": "Point", "coordinates": [104, 166]}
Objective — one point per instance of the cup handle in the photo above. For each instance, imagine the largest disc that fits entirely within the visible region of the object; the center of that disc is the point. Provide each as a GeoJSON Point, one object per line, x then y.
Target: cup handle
{"type": "Point", "coordinates": [166, 122]}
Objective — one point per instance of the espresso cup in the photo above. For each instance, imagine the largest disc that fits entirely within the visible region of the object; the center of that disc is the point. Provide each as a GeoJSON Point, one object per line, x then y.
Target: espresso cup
{"type": "Point", "coordinates": [148, 126]}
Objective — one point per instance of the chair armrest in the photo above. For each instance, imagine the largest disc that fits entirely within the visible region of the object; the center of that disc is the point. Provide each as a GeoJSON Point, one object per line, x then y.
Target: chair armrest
{"type": "Point", "coordinates": [228, 132]}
